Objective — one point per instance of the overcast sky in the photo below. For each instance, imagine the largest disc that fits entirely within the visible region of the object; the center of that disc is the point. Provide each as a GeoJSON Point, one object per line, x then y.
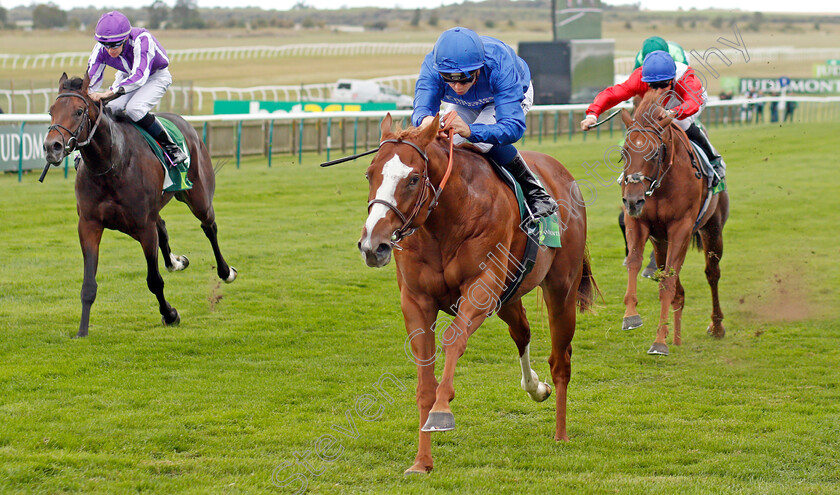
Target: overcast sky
{"type": "Point", "coordinates": [747, 5]}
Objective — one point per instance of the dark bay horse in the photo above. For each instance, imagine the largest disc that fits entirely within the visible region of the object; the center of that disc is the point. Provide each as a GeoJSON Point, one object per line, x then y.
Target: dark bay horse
{"type": "Point", "coordinates": [119, 187]}
{"type": "Point", "coordinates": [456, 248]}
{"type": "Point", "coordinates": [662, 199]}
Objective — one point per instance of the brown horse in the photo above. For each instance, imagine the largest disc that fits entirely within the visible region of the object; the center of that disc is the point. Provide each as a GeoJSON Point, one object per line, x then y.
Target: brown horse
{"type": "Point", "coordinates": [466, 243]}
{"type": "Point", "coordinates": [119, 186]}
{"type": "Point", "coordinates": [663, 199]}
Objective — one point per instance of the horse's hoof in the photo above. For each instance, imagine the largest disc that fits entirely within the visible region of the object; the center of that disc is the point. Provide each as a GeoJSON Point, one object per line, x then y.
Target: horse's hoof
{"type": "Point", "coordinates": [631, 322]}
{"type": "Point", "coordinates": [177, 263]}
{"type": "Point", "coordinates": [439, 421]}
{"type": "Point", "coordinates": [172, 322]}
{"type": "Point", "coordinates": [417, 469]}
{"type": "Point", "coordinates": [232, 275]}
{"type": "Point", "coordinates": [658, 349]}
{"type": "Point", "coordinates": [80, 335]}
{"type": "Point", "coordinates": [542, 393]}
{"type": "Point", "coordinates": [648, 272]}
{"type": "Point", "coordinates": [718, 334]}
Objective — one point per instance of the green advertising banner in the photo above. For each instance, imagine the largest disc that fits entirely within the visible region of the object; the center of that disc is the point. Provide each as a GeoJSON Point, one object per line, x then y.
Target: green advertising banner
{"type": "Point", "coordinates": [802, 86]}
{"type": "Point", "coordinates": [30, 145]}
{"type": "Point", "coordinates": [240, 107]}
{"type": "Point", "coordinates": [827, 70]}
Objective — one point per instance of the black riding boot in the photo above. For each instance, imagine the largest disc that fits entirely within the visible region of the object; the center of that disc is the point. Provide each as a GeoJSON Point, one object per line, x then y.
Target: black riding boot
{"type": "Point", "coordinates": [151, 125]}
{"type": "Point", "coordinates": [696, 135]}
{"type": "Point", "coordinates": [538, 201]}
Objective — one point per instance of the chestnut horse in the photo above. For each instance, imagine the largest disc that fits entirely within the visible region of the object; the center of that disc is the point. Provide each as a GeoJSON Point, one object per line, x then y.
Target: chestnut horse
{"type": "Point", "coordinates": [456, 247]}
{"type": "Point", "coordinates": [119, 186]}
{"type": "Point", "coordinates": [662, 199]}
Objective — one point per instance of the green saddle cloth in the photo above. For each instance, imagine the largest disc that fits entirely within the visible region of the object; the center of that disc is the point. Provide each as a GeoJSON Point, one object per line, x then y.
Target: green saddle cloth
{"type": "Point", "coordinates": [176, 177]}
{"type": "Point", "coordinates": [547, 229]}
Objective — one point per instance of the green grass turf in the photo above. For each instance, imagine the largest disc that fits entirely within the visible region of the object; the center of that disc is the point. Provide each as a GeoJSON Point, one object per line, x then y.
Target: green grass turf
{"type": "Point", "coordinates": [261, 369]}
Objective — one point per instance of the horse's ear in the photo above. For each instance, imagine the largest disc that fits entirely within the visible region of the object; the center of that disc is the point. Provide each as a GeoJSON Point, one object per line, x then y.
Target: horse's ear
{"type": "Point", "coordinates": [61, 81]}
{"type": "Point", "coordinates": [626, 117]}
{"type": "Point", "coordinates": [385, 126]}
{"type": "Point", "coordinates": [431, 130]}
{"type": "Point", "coordinates": [85, 82]}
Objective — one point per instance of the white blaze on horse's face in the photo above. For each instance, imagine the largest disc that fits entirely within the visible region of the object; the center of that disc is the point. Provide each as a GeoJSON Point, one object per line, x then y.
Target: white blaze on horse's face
{"type": "Point", "coordinates": [393, 172]}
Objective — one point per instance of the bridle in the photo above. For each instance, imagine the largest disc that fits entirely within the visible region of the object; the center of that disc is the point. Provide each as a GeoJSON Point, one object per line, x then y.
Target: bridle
{"type": "Point", "coordinates": [660, 153]}
{"type": "Point", "coordinates": [73, 142]}
{"type": "Point", "coordinates": [405, 229]}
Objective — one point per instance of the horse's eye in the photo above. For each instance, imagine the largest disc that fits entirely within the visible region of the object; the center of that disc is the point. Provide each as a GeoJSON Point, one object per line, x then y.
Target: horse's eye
{"type": "Point", "coordinates": [414, 180]}
{"type": "Point", "coordinates": [79, 112]}
{"type": "Point", "coordinates": [367, 177]}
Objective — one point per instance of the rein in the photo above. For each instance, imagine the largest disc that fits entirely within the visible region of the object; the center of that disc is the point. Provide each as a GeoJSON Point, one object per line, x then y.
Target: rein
{"type": "Point", "coordinates": [405, 230]}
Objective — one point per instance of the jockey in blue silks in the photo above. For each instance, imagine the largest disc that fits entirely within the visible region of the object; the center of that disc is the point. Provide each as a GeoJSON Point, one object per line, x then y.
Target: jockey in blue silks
{"type": "Point", "coordinates": [489, 87]}
{"type": "Point", "coordinates": [142, 75]}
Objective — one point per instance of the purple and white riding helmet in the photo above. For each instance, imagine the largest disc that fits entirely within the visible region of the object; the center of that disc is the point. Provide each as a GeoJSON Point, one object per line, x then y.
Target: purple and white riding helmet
{"type": "Point", "coordinates": [113, 27]}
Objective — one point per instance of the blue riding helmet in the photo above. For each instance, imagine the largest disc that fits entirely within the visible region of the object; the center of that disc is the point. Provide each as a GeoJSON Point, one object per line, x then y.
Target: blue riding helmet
{"type": "Point", "coordinates": [658, 66]}
{"type": "Point", "coordinates": [458, 50]}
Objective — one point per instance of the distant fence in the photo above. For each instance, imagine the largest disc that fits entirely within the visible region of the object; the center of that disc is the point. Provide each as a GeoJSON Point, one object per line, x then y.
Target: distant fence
{"type": "Point", "coordinates": [624, 65]}
{"type": "Point", "coordinates": [189, 99]}
{"type": "Point", "coordinates": [44, 60]}
{"type": "Point", "coordinates": [343, 133]}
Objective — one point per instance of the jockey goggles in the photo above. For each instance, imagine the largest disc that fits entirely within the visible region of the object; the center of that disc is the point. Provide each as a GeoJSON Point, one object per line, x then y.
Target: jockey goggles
{"type": "Point", "coordinates": [659, 84]}
{"type": "Point", "coordinates": [113, 44]}
{"type": "Point", "coordinates": [459, 77]}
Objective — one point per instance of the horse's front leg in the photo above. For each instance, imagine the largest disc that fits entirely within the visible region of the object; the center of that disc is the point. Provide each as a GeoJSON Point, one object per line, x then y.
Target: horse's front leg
{"type": "Point", "coordinates": [149, 240]}
{"type": "Point", "coordinates": [173, 263]}
{"type": "Point", "coordinates": [679, 238]}
{"type": "Point", "coordinates": [637, 234]}
{"type": "Point", "coordinates": [90, 234]}
{"type": "Point", "coordinates": [419, 314]}
{"type": "Point", "coordinates": [479, 300]}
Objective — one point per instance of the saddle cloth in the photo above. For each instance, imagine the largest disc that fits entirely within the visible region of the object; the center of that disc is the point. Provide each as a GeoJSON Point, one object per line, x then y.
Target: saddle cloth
{"type": "Point", "coordinates": [175, 177]}
{"type": "Point", "coordinates": [547, 230]}
{"type": "Point", "coordinates": [709, 171]}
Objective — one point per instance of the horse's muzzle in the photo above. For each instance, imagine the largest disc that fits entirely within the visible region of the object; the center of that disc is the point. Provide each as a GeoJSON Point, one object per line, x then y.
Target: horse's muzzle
{"type": "Point", "coordinates": [634, 206]}
{"type": "Point", "coordinates": [376, 257]}
{"type": "Point", "coordinates": [53, 151]}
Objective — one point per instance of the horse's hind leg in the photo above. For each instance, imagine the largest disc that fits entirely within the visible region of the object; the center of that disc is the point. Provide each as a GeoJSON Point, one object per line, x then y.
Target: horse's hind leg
{"type": "Point", "coordinates": [560, 303]}
{"type": "Point", "coordinates": [226, 272]}
{"type": "Point", "coordinates": [90, 233]}
{"type": "Point", "coordinates": [713, 248]}
{"type": "Point", "coordinates": [173, 263]}
{"type": "Point", "coordinates": [148, 239]}
{"type": "Point", "coordinates": [520, 331]}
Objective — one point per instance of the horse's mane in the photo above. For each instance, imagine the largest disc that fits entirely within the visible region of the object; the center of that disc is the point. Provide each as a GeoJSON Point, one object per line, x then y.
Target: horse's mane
{"type": "Point", "coordinates": [74, 84]}
{"type": "Point", "coordinates": [409, 134]}
{"type": "Point", "coordinates": [649, 101]}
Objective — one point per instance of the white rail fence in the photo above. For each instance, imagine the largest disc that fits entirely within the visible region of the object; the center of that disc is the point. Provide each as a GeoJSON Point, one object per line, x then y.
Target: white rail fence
{"type": "Point", "coordinates": [44, 60]}
{"type": "Point", "coordinates": [196, 99]}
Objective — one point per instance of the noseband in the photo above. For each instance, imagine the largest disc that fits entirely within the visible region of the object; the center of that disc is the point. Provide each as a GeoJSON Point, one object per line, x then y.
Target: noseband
{"type": "Point", "coordinates": [73, 142]}
{"type": "Point", "coordinates": [405, 229]}
{"type": "Point", "coordinates": [661, 150]}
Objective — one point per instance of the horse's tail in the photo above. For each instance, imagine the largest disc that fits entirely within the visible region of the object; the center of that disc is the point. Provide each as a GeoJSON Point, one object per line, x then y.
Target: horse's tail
{"type": "Point", "coordinates": [587, 288]}
{"type": "Point", "coordinates": [696, 242]}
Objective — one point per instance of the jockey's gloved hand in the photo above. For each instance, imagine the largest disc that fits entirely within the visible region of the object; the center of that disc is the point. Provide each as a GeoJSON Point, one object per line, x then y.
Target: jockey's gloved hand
{"type": "Point", "coordinates": [588, 122]}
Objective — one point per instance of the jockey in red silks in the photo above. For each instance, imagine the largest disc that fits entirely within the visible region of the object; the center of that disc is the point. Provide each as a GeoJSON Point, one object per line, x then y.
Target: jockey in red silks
{"type": "Point", "coordinates": [142, 75]}
{"type": "Point", "coordinates": [684, 100]}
